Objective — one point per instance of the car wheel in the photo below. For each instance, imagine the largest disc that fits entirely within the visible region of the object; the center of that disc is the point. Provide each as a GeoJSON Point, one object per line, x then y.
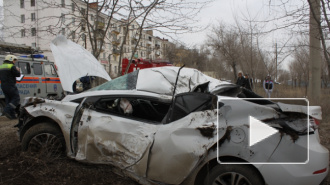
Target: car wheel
{"type": "Point", "coordinates": [233, 174]}
{"type": "Point", "coordinates": [45, 140]}
{"type": "Point", "coordinates": [2, 106]}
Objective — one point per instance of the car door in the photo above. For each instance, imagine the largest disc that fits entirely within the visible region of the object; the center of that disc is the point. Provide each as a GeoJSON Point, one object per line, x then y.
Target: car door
{"type": "Point", "coordinates": [51, 79]}
{"type": "Point", "coordinates": [190, 130]}
{"type": "Point", "coordinates": [101, 133]}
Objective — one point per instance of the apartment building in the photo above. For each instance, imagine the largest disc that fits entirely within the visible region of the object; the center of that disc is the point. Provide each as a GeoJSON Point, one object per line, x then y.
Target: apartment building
{"type": "Point", "coordinates": [36, 23]}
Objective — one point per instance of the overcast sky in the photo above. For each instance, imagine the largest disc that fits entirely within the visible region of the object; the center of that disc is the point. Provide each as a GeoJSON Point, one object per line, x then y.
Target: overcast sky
{"type": "Point", "coordinates": [225, 11]}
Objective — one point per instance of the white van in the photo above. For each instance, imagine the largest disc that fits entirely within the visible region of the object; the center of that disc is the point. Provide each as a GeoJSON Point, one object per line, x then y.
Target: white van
{"type": "Point", "coordinates": [40, 79]}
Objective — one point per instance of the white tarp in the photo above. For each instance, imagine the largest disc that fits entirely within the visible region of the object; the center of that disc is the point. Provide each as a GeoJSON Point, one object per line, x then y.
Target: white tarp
{"type": "Point", "coordinates": [74, 61]}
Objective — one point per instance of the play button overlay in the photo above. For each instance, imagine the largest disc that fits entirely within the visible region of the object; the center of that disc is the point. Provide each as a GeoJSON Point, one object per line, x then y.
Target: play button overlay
{"type": "Point", "coordinates": [259, 131]}
{"type": "Point", "coordinates": [250, 131]}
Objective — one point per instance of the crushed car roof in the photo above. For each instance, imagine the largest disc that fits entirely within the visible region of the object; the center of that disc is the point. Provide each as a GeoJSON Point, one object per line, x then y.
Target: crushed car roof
{"type": "Point", "coordinates": [160, 80]}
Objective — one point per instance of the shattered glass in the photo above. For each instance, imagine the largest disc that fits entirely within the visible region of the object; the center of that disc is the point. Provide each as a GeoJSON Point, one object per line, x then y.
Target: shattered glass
{"type": "Point", "coordinates": [126, 82]}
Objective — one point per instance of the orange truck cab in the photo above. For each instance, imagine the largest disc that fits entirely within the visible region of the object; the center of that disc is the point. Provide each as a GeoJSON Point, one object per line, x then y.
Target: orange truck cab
{"type": "Point", "coordinates": [142, 64]}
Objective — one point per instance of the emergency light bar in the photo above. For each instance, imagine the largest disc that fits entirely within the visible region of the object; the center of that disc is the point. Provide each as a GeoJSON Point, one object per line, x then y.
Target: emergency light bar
{"type": "Point", "coordinates": [33, 56]}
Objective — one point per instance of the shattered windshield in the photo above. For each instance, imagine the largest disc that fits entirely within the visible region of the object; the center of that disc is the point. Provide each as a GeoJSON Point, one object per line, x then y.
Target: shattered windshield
{"type": "Point", "coordinates": [126, 82]}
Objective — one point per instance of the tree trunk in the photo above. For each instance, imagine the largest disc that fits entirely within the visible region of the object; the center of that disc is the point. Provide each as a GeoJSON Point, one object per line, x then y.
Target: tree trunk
{"type": "Point", "coordinates": [315, 51]}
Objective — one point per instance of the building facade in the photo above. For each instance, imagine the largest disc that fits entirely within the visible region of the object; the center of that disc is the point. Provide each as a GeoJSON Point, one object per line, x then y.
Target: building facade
{"type": "Point", "coordinates": [37, 22]}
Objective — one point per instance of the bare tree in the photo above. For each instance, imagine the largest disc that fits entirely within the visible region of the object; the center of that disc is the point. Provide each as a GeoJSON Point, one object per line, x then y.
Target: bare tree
{"type": "Point", "coordinates": [300, 65]}
{"type": "Point", "coordinates": [225, 41]}
{"type": "Point", "coordinates": [95, 20]}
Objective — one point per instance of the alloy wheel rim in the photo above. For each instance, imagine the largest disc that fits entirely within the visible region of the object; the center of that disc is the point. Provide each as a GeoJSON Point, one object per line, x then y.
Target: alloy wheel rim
{"type": "Point", "coordinates": [231, 178]}
{"type": "Point", "coordinates": [46, 144]}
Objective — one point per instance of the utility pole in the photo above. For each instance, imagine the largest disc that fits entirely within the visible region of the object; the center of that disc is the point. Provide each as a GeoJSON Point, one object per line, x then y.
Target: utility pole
{"type": "Point", "coordinates": [314, 90]}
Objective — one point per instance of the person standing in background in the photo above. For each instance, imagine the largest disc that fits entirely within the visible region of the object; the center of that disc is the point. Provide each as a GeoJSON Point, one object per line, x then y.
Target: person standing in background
{"type": "Point", "coordinates": [8, 74]}
{"type": "Point", "coordinates": [240, 80]}
{"type": "Point", "coordinates": [268, 86]}
{"type": "Point", "coordinates": [248, 82]}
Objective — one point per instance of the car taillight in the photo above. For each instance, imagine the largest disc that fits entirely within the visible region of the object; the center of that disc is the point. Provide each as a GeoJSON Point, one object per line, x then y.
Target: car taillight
{"type": "Point", "coordinates": [320, 171]}
{"type": "Point", "coordinates": [314, 123]}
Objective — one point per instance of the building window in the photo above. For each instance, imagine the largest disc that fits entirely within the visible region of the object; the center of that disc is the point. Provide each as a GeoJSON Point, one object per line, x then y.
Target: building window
{"type": "Point", "coordinates": [73, 20]}
{"type": "Point", "coordinates": [83, 11]}
{"type": "Point", "coordinates": [73, 35]}
{"type": "Point", "coordinates": [34, 45]}
{"type": "Point", "coordinates": [63, 31]}
{"type": "Point", "coordinates": [63, 18]}
{"type": "Point", "coordinates": [33, 32]}
{"type": "Point", "coordinates": [83, 37]}
{"type": "Point", "coordinates": [33, 16]}
{"type": "Point", "coordinates": [50, 29]}
{"type": "Point", "coordinates": [23, 18]}
{"type": "Point", "coordinates": [92, 17]}
{"type": "Point", "coordinates": [22, 3]}
{"type": "Point", "coordinates": [63, 3]}
{"type": "Point", "coordinates": [22, 32]}
{"type": "Point", "coordinates": [33, 2]}
{"type": "Point", "coordinates": [73, 8]}
{"type": "Point", "coordinates": [115, 69]}
{"type": "Point", "coordinates": [103, 55]}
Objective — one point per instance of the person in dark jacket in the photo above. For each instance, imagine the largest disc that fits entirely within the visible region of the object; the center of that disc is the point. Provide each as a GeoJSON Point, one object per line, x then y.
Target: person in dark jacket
{"type": "Point", "coordinates": [87, 82]}
{"type": "Point", "coordinates": [240, 80]}
{"type": "Point", "coordinates": [248, 82]}
{"type": "Point", "coordinates": [268, 85]}
{"type": "Point", "coordinates": [8, 74]}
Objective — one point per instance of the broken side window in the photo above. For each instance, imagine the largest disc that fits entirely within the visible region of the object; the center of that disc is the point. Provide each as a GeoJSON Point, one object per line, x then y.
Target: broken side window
{"type": "Point", "coordinates": [136, 108]}
{"type": "Point", "coordinates": [126, 82]}
{"type": "Point", "coordinates": [187, 103]}
{"type": "Point", "coordinates": [109, 105]}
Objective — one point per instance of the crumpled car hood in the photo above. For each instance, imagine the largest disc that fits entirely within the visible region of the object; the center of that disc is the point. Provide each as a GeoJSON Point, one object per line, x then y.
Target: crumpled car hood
{"type": "Point", "coordinates": [74, 61]}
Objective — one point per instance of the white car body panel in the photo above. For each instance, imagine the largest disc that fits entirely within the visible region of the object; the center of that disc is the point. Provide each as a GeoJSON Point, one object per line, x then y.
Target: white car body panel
{"type": "Point", "coordinates": [299, 174]}
{"type": "Point", "coordinates": [61, 112]}
{"type": "Point", "coordinates": [114, 93]}
{"type": "Point", "coordinates": [314, 111]}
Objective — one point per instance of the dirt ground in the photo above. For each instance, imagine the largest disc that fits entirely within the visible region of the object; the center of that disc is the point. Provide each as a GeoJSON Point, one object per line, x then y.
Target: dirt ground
{"type": "Point", "coordinates": [17, 167]}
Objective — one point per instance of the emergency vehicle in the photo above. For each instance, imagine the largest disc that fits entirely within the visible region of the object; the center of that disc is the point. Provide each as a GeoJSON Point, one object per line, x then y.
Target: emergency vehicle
{"type": "Point", "coordinates": [40, 76]}
{"type": "Point", "coordinates": [142, 64]}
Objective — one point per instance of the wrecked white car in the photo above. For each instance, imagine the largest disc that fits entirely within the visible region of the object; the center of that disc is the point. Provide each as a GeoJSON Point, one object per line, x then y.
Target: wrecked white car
{"type": "Point", "coordinates": [159, 127]}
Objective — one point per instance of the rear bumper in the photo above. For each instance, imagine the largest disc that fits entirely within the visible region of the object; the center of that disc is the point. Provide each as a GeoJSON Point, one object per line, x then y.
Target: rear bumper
{"type": "Point", "coordinates": [300, 174]}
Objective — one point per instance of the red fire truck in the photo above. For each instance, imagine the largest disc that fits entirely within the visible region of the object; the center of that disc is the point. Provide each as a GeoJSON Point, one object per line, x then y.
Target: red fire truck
{"type": "Point", "coordinates": [142, 64]}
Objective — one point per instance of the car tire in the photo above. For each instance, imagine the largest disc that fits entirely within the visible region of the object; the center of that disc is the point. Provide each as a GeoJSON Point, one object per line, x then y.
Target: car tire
{"type": "Point", "coordinates": [233, 174]}
{"type": "Point", "coordinates": [45, 140]}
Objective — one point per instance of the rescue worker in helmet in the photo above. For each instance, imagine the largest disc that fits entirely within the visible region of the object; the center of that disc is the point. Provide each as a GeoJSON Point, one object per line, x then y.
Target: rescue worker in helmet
{"type": "Point", "coordinates": [8, 74]}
